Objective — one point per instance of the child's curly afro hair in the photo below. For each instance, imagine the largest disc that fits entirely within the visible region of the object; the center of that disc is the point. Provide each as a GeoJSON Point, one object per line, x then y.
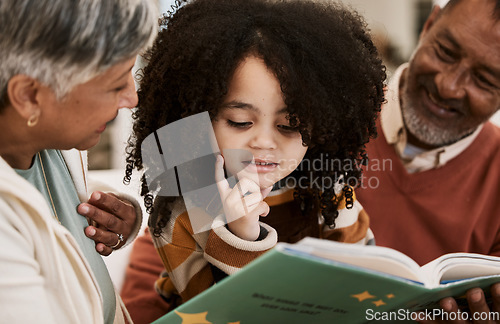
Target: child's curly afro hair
{"type": "Point", "coordinates": [329, 70]}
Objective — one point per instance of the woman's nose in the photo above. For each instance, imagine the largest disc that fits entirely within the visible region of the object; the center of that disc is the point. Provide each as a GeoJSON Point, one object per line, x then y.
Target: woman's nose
{"type": "Point", "coordinates": [129, 97]}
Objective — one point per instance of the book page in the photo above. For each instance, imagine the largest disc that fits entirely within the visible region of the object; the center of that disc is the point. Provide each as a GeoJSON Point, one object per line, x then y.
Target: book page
{"type": "Point", "coordinates": [459, 266]}
{"type": "Point", "coordinates": [376, 258]}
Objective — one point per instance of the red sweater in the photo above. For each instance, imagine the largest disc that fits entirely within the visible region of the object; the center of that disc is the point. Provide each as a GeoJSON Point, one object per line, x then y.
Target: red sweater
{"type": "Point", "coordinates": [454, 208]}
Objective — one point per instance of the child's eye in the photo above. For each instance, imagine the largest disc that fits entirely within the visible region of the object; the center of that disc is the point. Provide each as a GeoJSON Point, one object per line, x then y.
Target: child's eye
{"type": "Point", "coordinates": [238, 124]}
{"type": "Point", "coordinates": [288, 129]}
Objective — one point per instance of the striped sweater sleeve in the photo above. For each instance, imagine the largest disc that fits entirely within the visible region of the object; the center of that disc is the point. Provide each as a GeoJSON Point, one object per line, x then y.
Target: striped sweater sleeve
{"type": "Point", "coordinates": [187, 256]}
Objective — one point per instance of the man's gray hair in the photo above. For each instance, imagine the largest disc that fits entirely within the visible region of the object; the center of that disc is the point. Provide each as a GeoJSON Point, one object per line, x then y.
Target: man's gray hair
{"type": "Point", "coordinates": [64, 43]}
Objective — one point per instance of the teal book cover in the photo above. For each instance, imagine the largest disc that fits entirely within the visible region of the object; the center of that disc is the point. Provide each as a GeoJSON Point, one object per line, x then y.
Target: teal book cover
{"type": "Point", "coordinates": [303, 283]}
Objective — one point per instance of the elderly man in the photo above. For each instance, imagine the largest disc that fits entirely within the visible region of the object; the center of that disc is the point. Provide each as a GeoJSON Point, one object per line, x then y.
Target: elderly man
{"type": "Point", "coordinates": [433, 180]}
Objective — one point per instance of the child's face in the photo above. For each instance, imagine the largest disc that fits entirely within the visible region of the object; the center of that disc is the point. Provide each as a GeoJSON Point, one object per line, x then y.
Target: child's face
{"type": "Point", "coordinates": [253, 118]}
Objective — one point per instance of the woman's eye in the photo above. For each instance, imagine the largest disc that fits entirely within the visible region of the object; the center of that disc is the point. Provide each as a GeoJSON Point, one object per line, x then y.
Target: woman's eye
{"type": "Point", "coordinates": [238, 124]}
{"type": "Point", "coordinates": [119, 89]}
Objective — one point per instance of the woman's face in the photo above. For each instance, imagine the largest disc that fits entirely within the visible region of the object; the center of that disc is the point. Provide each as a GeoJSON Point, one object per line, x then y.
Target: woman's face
{"type": "Point", "coordinates": [252, 130]}
{"type": "Point", "coordinates": [78, 120]}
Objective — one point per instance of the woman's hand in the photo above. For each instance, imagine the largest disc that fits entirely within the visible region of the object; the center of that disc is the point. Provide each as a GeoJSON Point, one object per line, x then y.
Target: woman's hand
{"type": "Point", "coordinates": [115, 220]}
{"type": "Point", "coordinates": [243, 204]}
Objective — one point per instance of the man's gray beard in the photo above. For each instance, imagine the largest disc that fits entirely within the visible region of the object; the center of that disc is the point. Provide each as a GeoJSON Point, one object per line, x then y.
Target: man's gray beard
{"type": "Point", "coordinates": [429, 133]}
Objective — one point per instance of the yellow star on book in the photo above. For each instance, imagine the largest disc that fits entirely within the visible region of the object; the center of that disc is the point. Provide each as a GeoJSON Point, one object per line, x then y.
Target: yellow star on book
{"type": "Point", "coordinates": [200, 318]}
{"type": "Point", "coordinates": [390, 296]}
{"type": "Point", "coordinates": [364, 295]}
{"type": "Point", "coordinates": [234, 323]}
{"type": "Point", "coordinates": [378, 303]}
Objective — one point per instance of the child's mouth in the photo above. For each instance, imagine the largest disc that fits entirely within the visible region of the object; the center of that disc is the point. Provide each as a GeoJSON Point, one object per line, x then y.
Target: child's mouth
{"type": "Point", "coordinates": [260, 166]}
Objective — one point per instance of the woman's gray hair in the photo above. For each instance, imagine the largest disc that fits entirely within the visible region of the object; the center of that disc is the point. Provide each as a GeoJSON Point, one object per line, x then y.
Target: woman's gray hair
{"type": "Point", "coordinates": [64, 43]}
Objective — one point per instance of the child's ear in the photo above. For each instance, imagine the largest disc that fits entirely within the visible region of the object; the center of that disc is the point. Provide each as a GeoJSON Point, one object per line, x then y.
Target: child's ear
{"type": "Point", "coordinates": [22, 93]}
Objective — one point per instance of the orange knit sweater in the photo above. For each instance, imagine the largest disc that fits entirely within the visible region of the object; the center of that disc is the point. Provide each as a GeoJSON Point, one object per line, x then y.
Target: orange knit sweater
{"type": "Point", "coordinates": [454, 208]}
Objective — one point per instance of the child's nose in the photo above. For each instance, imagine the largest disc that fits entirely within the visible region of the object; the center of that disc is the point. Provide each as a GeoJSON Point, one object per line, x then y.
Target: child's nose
{"type": "Point", "coordinates": [264, 138]}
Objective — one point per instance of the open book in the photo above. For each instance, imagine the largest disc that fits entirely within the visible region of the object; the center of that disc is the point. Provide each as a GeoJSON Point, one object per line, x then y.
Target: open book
{"type": "Point", "coordinates": [447, 268]}
{"type": "Point", "coordinates": [320, 281]}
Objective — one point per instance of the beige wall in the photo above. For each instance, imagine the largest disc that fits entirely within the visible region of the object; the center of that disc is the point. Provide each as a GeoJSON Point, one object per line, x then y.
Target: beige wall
{"type": "Point", "coordinates": [393, 19]}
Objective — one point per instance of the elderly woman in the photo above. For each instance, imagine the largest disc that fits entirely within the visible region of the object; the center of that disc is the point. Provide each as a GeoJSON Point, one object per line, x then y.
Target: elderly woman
{"type": "Point", "coordinates": [65, 71]}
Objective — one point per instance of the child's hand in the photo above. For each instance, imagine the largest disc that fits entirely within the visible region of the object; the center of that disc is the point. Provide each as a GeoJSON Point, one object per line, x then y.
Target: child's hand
{"type": "Point", "coordinates": [242, 210]}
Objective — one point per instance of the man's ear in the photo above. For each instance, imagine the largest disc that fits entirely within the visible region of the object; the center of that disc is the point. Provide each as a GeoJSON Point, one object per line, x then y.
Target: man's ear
{"type": "Point", "coordinates": [22, 93]}
{"type": "Point", "coordinates": [434, 15]}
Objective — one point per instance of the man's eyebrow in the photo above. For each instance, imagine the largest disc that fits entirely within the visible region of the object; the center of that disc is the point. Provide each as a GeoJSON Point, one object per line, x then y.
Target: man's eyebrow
{"type": "Point", "coordinates": [449, 37]}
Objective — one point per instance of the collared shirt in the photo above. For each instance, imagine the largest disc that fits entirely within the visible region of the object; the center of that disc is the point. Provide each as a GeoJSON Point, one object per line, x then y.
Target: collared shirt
{"type": "Point", "coordinates": [414, 158]}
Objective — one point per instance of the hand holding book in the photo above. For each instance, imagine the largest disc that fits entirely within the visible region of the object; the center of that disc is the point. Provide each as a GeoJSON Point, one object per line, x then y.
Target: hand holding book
{"type": "Point", "coordinates": [478, 308]}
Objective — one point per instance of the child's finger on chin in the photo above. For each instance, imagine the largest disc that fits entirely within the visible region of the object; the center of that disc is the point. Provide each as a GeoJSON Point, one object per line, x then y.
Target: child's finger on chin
{"type": "Point", "coordinates": [266, 192]}
{"type": "Point", "coordinates": [222, 184]}
{"type": "Point", "coordinates": [263, 209]}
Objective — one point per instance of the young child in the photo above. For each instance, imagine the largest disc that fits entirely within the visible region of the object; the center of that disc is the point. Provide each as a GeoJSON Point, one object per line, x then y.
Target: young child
{"type": "Point", "coordinates": [298, 84]}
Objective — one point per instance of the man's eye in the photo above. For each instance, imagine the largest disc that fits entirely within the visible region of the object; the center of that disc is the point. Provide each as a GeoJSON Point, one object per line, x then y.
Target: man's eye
{"type": "Point", "coordinates": [238, 124]}
{"type": "Point", "coordinates": [485, 81]}
{"type": "Point", "coordinates": [445, 53]}
{"type": "Point", "coordinates": [119, 88]}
